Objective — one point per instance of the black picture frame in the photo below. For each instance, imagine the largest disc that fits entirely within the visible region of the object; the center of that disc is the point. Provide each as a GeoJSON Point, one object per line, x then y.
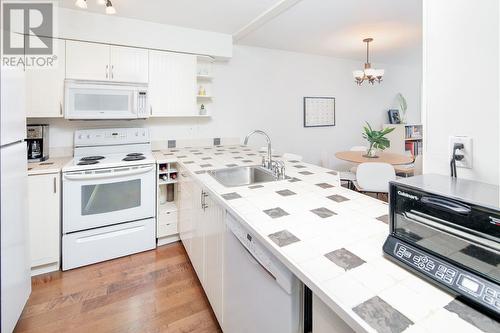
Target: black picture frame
{"type": "Point", "coordinates": [324, 98]}
{"type": "Point", "coordinates": [394, 117]}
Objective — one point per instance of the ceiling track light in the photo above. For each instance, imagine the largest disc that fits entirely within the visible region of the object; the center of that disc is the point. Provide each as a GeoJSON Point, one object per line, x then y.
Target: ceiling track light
{"type": "Point", "coordinates": [368, 73]}
{"type": "Point", "coordinates": [109, 6]}
{"type": "Point", "coordinates": [81, 3]}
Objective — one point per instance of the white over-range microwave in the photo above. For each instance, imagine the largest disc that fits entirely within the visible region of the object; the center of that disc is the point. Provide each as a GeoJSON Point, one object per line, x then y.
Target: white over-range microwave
{"type": "Point", "coordinates": [105, 100]}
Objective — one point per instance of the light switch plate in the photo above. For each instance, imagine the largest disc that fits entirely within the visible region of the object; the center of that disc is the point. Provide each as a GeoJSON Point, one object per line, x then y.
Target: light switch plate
{"type": "Point", "coordinates": [466, 162]}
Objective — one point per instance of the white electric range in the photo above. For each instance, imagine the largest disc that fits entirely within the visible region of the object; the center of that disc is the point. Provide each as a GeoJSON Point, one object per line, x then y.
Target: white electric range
{"type": "Point", "coordinates": [108, 196]}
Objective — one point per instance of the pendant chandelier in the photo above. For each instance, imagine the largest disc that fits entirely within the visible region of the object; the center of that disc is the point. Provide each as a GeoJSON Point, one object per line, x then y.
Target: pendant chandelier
{"type": "Point", "coordinates": [109, 6]}
{"type": "Point", "coordinates": [368, 74]}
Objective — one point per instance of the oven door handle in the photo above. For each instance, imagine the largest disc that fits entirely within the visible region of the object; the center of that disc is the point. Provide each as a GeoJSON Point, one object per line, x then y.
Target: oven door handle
{"type": "Point", "coordinates": [112, 174]}
{"type": "Point", "coordinates": [450, 206]}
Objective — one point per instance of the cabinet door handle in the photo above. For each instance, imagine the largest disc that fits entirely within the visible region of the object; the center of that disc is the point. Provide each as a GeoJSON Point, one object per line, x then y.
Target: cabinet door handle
{"type": "Point", "coordinates": [60, 108]}
{"type": "Point", "coordinates": [55, 185]}
{"type": "Point", "coordinates": [112, 74]}
{"type": "Point", "coordinates": [151, 110]}
{"type": "Point", "coordinates": [107, 71]}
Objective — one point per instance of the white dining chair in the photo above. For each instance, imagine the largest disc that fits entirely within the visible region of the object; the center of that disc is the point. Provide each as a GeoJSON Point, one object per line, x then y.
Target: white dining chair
{"type": "Point", "coordinates": [374, 177]}
{"type": "Point", "coordinates": [292, 157]}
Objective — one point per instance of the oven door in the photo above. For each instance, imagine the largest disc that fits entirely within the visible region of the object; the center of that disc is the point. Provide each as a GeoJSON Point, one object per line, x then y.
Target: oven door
{"type": "Point", "coordinates": [460, 233]}
{"type": "Point", "coordinates": [94, 100]}
{"type": "Point", "coordinates": [104, 197]}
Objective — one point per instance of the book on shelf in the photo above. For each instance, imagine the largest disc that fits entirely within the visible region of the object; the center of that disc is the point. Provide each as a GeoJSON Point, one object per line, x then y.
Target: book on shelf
{"type": "Point", "coordinates": [413, 132]}
{"type": "Point", "coordinates": [415, 147]}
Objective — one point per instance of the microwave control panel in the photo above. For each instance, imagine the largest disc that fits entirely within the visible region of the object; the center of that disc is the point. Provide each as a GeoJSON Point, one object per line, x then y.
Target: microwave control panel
{"type": "Point", "coordinates": [469, 285]}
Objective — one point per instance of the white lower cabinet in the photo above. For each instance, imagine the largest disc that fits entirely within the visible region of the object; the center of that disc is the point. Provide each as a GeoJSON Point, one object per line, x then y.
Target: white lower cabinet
{"type": "Point", "coordinates": [44, 206]}
{"type": "Point", "coordinates": [201, 229]}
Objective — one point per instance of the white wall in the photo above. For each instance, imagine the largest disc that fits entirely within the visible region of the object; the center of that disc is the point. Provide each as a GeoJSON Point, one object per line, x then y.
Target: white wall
{"type": "Point", "coordinates": [461, 86]}
{"type": "Point", "coordinates": [263, 89]}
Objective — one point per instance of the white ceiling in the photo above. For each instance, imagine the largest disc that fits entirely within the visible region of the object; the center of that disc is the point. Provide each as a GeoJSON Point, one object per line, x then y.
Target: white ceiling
{"type": "Point", "coordinates": [226, 16]}
{"type": "Point", "coordinates": [326, 27]}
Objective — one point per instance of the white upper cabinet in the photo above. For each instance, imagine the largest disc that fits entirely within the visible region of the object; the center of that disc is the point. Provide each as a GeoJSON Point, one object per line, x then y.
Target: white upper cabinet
{"type": "Point", "coordinates": [100, 62]}
{"type": "Point", "coordinates": [45, 86]}
{"type": "Point", "coordinates": [172, 84]}
{"type": "Point", "coordinates": [128, 64]}
{"type": "Point", "coordinates": [87, 61]}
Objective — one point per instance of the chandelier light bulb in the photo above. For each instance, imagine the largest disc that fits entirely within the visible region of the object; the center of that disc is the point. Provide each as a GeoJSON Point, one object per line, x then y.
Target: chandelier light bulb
{"type": "Point", "coordinates": [81, 3]}
{"type": "Point", "coordinates": [101, 2]}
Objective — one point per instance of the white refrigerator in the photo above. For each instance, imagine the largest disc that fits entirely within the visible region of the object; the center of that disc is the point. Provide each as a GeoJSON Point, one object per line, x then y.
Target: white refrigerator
{"type": "Point", "coordinates": [15, 257]}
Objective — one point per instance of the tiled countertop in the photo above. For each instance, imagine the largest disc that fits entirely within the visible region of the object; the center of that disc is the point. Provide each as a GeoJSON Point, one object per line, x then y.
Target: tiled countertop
{"type": "Point", "coordinates": [331, 238]}
{"type": "Point", "coordinates": [52, 165]}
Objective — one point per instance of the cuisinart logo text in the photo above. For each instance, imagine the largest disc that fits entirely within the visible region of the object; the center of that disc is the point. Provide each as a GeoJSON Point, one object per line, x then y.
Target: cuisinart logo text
{"type": "Point", "coordinates": [407, 195]}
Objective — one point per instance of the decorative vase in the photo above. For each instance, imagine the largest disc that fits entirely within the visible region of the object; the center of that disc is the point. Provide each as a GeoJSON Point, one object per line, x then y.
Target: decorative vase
{"type": "Point", "coordinates": [371, 153]}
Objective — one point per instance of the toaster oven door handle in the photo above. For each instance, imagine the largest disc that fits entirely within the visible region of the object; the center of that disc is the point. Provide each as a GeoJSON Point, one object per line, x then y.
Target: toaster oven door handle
{"type": "Point", "coordinates": [443, 204]}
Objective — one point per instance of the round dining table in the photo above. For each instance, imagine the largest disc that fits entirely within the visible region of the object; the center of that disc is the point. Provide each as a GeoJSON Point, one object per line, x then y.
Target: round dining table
{"type": "Point", "coordinates": [382, 157]}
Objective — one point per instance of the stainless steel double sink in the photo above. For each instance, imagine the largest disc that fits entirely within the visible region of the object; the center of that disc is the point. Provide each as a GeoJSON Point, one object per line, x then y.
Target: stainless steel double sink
{"type": "Point", "coordinates": [243, 175]}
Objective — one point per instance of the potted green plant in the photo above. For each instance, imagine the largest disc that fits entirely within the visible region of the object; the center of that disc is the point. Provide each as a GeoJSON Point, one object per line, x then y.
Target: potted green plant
{"type": "Point", "coordinates": [403, 107]}
{"type": "Point", "coordinates": [376, 139]}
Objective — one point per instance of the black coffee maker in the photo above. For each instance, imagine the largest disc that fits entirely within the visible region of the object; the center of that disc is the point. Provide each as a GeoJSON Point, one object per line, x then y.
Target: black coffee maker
{"type": "Point", "coordinates": [38, 142]}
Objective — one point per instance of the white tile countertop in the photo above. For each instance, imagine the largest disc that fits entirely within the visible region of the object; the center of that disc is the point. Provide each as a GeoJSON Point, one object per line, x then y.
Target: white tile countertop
{"type": "Point", "coordinates": [52, 165]}
{"type": "Point", "coordinates": [331, 238]}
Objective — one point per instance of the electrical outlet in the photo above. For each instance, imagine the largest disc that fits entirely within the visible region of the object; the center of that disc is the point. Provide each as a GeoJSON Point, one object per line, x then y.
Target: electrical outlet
{"type": "Point", "coordinates": [466, 162]}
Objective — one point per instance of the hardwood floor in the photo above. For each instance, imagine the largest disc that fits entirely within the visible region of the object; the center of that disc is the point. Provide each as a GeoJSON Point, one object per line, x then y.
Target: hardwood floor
{"type": "Point", "coordinates": [154, 291]}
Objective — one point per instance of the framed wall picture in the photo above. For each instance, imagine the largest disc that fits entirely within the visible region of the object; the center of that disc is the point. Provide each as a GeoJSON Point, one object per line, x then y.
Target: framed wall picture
{"type": "Point", "coordinates": [319, 111]}
{"type": "Point", "coordinates": [394, 117]}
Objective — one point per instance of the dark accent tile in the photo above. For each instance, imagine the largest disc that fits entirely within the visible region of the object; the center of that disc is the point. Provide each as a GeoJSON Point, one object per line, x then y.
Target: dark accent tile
{"type": "Point", "coordinates": [198, 154]}
{"type": "Point", "coordinates": [344, 259]}
{"type": "Point", "coordinates": [276, 212]}
{"type": "Point", "coordinates": [382, 316]}
{"type": "Point", "coordinates": [480, 254]}
{"type": "Point", "coordinates": [231, 196]}
{"type": "Point", "coordinates": [171, 143]}
{"type": "Point", "coordinates": [305, 173]}
{"type": "Point", "coordinates": [188, 162]}
{"type": "Point", "coordinates": [473, 317]}
{"type": "Point", "coordinates": [286, 193]}
{"type": "Point", "coordinates": [200, 172]}
{"type": "Point", "coordinates": [247, 161]}
{"type": "Point", "coordinates": [294, 161]}
{"type": "Point", "coordinates": [235, 152]}
{"type": "Point", "coordinates": [207, 148]}
{"type": "Point", "coordinates": [168, 154]}
{"type": "Point", "coordinates": [188, 147]}
{"type": "Point", "coordinates": [216, 141]}
{"type": "Point", "coordinates": [181, 156]}
{"type": "Point", "coordinates": [283, 238]}
{"type": "Point", "coordinates": [252, 154]}
{"type": "Point", "coordinates": [247, 149]}
{"type": "Point", "coordinates": [206, 158]}
{"type": "Point", "coordinates": [174, 150]}
{"type": "Point", "coordinates": [333, 173]}
{"type": "Point", "coordinates": [323, 212]}
{"type": "Point", "coordinates": [231, 147]}
{"type": "Point", "coordinates": [218, 153]}
{"type": "Point", "coordinates": [276, 156]}
{"type": "Point", "coordinates": [220, 149]}
{"type": "Point", "coordinates": [194, 151]}
{"type": "Point", "coordinates": [325, 185]}
{"type": "Point", "coordinates": [253, 187]}
{"type": "Point", "coordinates": [384, 218]}
{"type": "Point", "coordinates": [206, 165]}
{"type": "Point", "coordinates": [337, 198]}
{"type": "Point", "coordinates": [237, 157]}
{"type": "Point", "coordinates": [294, 180]}
{"type": "Point", "coordinates": [231, 165]}
{"type": "Point", "coordinates": [299, 166]}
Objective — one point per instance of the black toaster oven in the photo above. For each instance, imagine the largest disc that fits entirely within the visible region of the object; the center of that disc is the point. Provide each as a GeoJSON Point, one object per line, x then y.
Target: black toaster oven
{"type": "Point", "coordinates": [448, 230]}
